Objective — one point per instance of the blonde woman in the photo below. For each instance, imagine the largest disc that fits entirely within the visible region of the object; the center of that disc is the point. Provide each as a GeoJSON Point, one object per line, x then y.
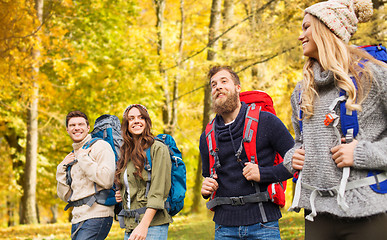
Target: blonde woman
{"type": "Point", "coordinates": [329, 163]}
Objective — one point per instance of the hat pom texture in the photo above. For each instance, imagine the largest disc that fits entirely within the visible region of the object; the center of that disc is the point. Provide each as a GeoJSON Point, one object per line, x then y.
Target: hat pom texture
{"type": "Point", "coordinates": [363, 10]}
{"type": "Point", "coordinates": [342, 16]}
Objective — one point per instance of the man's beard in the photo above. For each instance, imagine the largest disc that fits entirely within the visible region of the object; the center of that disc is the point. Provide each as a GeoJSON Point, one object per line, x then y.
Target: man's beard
{"type": "Point", "coordinates": [226, 106]}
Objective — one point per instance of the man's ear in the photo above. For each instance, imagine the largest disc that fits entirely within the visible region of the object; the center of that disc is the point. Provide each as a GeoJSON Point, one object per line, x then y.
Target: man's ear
{"type": "Point", "coordinates": [238, 88]}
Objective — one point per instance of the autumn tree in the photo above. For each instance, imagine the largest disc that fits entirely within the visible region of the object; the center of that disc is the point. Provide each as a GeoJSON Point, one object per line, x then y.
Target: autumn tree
{"type": "Point", "coordinates": [211, 57]}
{"type": "Point", "coordinates": [28, 202]}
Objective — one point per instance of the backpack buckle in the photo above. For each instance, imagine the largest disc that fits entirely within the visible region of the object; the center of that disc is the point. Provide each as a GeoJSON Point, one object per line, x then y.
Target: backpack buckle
{"type": "Point", "coordinates": [236, 201]}
{"type": "Point", "coordinates": [326, 193]}
{"type": "Point", "coordinates": [329, 118]}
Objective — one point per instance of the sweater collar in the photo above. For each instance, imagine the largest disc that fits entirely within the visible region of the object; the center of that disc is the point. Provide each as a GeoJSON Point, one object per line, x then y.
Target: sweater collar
{"type": "Point", "coordinates": [236, 128]}
{"type": "Point", "coordinates": [322, 78]}
{"type": "Point", "coordinates": [80, 144]}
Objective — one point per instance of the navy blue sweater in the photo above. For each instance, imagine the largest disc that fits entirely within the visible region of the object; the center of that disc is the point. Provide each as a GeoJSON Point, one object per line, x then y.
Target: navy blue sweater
{"type": "Point", "coordinates": [272, 137]}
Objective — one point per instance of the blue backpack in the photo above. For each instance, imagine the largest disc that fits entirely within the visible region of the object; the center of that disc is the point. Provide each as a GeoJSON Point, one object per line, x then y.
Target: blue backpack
{"type": "Point", "coordinates": [175, 200]}
{"type": "Point", "coordinates": [108, 128]}
{"type": "Point", "coordinates": [349, 121]}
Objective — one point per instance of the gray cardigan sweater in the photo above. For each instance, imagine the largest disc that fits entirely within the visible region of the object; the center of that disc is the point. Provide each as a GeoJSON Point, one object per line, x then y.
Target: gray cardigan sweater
{"type": "Point", "coordinates": [370, 153]}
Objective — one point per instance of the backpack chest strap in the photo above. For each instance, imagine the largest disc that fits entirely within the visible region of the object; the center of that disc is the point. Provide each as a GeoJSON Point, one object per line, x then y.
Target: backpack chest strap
{"type": "Point", "coordinates": [238, 201]}
{"type": "Point", "coordinates": [99, 197]}
{"type": "Point", "coordinates": [336, 191]}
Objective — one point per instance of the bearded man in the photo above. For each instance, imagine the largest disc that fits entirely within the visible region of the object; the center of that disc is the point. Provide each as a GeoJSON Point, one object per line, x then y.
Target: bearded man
{"type": "Point", "coordinates": [235, 176]}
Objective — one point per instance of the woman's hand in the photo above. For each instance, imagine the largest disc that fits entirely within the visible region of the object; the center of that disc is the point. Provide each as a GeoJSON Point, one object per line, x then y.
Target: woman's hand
{"type": "Point", "coordinates": [298, 159]}
{"type": "Point", "coordinates": [139, 233]}
{"type": "Point", "coordinates": [343, 154]}
{"type": "Point", "coordinates": [118, 196]}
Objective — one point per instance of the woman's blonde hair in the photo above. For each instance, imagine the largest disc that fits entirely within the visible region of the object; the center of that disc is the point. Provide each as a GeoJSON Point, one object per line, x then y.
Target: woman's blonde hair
{"type": "Point", "coordinates": [341, 59]}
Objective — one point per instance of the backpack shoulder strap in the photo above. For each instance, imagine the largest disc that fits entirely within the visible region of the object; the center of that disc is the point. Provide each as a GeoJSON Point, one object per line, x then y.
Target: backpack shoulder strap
{"type": "Point", "coordinates": [250, 132]}
{"type": "Point", "coordinates": [300, 114]}
{"type": "Point", "coordinates": [348, 118]}
{"type": "Point", "coordinates": [148, 159]}
{"type": "Point", "coordinates": [148, 168]}
{"type": "Point", "coordinates": [68, 166]}
{"type": "Point", "coordinates": [91, 142]}
{"type": "Point", "coordinates": [212, 149]}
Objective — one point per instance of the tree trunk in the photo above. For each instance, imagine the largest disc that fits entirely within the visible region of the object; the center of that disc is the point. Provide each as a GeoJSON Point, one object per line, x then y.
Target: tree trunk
{"type": "Point", "coordinates": [28, 203]}
{"type": "Point", "coordinates": [377, 3]}
{"type": "Point", "coordinates": [257, 72]}
{"type": "Point", "coordinates": [159, 8]}
{"type": "Point", "coordinates": [54, 211]}
{"type": "Point", "coordinates": [228, 13]}
{"type": "Point", "coordinates": [213, 29]}
{"type": "Point", "coordinates": [10, 211]}
{"type": "Point", "coordinates": [211, 56]}
{"type": "Point", "coordinates": [12, 139]}
{"type": "Point", "coordinates": [180, 66]}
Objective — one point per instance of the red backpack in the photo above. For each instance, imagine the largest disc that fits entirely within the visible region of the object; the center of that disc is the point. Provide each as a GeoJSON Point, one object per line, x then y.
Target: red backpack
{"type": "Point", "coordinates": [257, 101]}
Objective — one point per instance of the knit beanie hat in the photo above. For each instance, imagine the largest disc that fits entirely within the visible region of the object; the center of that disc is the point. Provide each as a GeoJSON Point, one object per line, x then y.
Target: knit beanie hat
{"type": "Point", "coordinates": [342, 16]}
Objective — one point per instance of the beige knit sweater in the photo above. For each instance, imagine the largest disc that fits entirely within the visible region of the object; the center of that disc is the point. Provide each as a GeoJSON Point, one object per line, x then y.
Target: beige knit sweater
{"type": "Point", "coordinates": [96, 167]}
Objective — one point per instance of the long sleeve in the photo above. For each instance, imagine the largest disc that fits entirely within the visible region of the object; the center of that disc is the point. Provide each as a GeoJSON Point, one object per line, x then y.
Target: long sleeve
{"type": "Point", "coordinates": [161, 174]}
{"type": "Point", "coordinates": [319, 169]}
{"type": "Point", "coordinates": [95, 169]}
{"type": "Point", "coordinates": [99, 165]}
{"type": "Point", "coordinates": [297, 130]}
{"type": "Point", "coordinates": [274, 132]}
{"type": "Point", "coordinates": [371, 150]}
{"type": "Point", "coordinates": [63, 190]}
{"type": "Point", "coordinates": [159, 187]}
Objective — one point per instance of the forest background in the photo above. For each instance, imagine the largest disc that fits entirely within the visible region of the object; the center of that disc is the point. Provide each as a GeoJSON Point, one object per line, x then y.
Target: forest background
{"type": "Point", "coordinates": [99, 56]}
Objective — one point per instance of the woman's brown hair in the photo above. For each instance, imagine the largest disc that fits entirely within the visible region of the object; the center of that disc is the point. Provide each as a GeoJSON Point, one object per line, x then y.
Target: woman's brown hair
{"type": "Point", "coordinates": [133, 149]}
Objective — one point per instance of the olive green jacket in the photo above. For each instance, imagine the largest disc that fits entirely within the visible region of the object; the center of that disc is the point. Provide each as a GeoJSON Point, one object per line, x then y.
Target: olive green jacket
{"type": "Point", "coordinates": [159, 188]}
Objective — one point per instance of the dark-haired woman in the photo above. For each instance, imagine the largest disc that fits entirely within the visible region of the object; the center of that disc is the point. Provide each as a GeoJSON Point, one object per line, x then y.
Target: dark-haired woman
{"type": "Point", "coordinates": [152, 218]}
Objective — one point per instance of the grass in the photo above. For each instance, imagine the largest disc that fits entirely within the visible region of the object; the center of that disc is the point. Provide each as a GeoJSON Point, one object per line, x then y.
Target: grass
{"type": "Point", "coordinates": [195, 227]}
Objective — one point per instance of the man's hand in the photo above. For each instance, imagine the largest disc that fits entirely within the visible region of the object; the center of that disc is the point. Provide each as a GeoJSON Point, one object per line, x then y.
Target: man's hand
{"type": "Point", "coordinates": [298, 159]}
{"type": "Point", "coordinates": [83, 152]}
{"type": "Point", "coordinates": [251, 172]}
{"type": "Point", "coordinates": [209, 185]}
{"type": "Point", "coordinates": [69, 158]}
{"type": "Point", "coordinates": [343, 154]}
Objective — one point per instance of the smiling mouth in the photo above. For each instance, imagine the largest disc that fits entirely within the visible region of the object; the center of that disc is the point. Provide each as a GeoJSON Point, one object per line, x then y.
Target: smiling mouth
{"type": "Point", "coordinates": [220, 95]}
{"type": "Point", "coordinates": [304, 43]}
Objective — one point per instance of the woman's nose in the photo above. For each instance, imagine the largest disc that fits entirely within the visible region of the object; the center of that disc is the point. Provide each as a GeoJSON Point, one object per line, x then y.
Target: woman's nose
{"type": "Point", "coordinates": [301, 37]}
